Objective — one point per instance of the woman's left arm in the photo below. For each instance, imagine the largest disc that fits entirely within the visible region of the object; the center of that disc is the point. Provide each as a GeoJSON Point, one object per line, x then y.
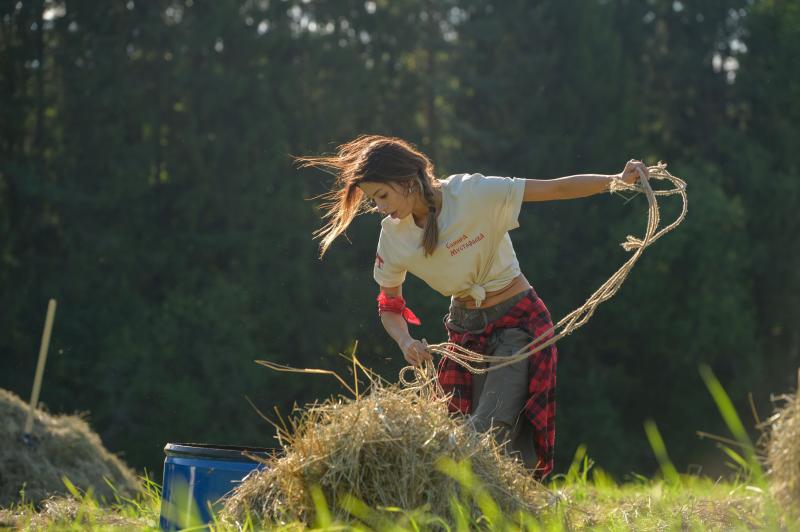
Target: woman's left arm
{"type": "Point", "coordinates": [579, 186]}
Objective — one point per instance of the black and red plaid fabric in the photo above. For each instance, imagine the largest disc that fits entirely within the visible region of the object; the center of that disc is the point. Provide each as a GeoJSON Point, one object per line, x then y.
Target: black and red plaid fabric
{"type": "Point", "coordinates": [531, 315]}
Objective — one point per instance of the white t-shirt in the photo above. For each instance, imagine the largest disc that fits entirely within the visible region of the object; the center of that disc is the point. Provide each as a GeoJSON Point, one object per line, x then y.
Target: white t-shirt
{"type": "Point", "coordinates": [474, 254]}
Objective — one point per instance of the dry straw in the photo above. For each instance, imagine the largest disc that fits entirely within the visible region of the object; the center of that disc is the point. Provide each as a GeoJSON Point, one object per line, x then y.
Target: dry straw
{"type": "Point", "coordinates": [385, 449]}
{"type": "Point", "coordinates": [64, 446]}
{"type": "Point", "coordinates": [783, 451]}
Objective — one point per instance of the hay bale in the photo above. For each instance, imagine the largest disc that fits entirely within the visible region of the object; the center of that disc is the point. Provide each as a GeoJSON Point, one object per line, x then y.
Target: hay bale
{"type": "Point", "coordinates": [783, 452]}
{"type": "Point", "coordinates": [383, 449]}
{"type": "Point", "coordinates": [64, 446]}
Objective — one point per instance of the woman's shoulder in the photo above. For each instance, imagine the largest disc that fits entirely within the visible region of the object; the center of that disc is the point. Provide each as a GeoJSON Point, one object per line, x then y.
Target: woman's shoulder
{"type": "Point", "coordinates": [455, 181]}
{"type": "Point", "coordinates": [461, 184]}
{"type": "Point", "coordinates": [480, 186]}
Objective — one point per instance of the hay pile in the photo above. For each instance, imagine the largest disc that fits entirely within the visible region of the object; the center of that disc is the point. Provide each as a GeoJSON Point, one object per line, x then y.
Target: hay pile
{"type": "Point", "coordinates": [383, 449]}
{"type": "Point", "coordinates": [783, 452]}
{"type": "Point", "coordinates": [64, 446]}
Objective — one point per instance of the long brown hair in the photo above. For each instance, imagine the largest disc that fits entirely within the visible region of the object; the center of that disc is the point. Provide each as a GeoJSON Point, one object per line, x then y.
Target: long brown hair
{"type": "Point", "coordinates": [376, 159]}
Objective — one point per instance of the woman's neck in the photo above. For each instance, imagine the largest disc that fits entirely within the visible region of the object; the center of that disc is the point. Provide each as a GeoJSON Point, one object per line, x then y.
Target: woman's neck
{"type": "Point", "coordinates": [420, 210]}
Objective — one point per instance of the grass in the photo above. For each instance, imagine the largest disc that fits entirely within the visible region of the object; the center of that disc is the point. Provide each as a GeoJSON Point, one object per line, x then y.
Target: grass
{"type": "Point", "coordinates": [584, 498]}
{"type": "Point", "coordinates": [684, 502]}
{"type": "Point", "coordinates": [82, 511]}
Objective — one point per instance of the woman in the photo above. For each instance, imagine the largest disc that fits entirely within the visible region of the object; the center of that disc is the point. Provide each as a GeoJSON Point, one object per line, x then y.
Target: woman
{"type": "Point", "coordinates": [453, 234]}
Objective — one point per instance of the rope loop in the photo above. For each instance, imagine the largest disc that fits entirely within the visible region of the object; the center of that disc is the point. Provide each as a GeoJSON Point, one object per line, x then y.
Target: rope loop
{"type": "Point", "coordinates": [424, 377]}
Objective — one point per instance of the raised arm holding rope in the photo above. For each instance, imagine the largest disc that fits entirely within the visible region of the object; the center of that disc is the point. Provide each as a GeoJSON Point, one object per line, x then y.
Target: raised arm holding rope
{"type": "Point", "coordinates": [453, 234]}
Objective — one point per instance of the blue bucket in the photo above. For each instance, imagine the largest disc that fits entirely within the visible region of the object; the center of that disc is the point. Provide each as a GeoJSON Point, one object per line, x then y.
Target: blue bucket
{"type": "Point", "coordinates": [197, 475]}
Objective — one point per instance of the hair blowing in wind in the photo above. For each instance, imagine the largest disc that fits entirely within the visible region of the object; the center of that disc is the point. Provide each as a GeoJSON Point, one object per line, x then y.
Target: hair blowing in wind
{"type": "Point", "coordinates": [378, 159]}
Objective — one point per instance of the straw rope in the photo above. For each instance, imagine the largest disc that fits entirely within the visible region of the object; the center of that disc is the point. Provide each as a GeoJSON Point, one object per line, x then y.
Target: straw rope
{"type": "Point", "coordinates": [422, 376]}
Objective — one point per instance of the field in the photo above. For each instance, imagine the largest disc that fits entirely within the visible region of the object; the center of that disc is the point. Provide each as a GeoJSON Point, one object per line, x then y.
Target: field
{"type": "Point", "coordinates": [584, 498]}
{"type": "Point", "coordinates": [581, 500]}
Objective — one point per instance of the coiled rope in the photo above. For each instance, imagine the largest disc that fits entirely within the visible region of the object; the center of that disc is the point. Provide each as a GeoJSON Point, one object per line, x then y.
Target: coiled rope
{"type": "Point", "coordinates": [425, 375]}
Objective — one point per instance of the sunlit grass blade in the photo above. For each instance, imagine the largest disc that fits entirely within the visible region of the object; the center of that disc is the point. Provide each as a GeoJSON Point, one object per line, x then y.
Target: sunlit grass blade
{"type": "Point", "coordinates": [322, 513]}
{"type": "Point", "coordinates": [602, 480]}
{"type": "Point", "coordinates": [732, 420]}
{"type": "Point", "coordinates": [371, 516]}
{"type": "Point", "coordinates": [460, 515]}
{"type": "Point", "coordinates": [737, 458]}
{"type": "Point", "coordinates": [71, 488]}
{"type": "Point", "coordinates": [574, 467]}
{"type": "Point", "coordinates": [489, 508]}
{"type": "Point", "coordinates": [181, 508]}
{"type": "Point", "coordinates": [459, 471]}
{"type": "Point", "coordinates": [671, 475]}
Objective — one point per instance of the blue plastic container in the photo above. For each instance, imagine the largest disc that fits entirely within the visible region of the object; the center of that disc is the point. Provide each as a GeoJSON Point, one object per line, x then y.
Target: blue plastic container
{"type": "Point", "coordinates": [197, 475]}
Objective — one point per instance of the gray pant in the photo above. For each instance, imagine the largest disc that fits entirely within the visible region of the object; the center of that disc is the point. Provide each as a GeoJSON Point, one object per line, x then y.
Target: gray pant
{"type": "Point", "coordinates": [498, 396]}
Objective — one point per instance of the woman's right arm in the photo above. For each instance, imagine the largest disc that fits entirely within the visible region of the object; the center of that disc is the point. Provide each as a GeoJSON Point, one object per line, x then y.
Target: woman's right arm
{"type": "Point", "coordinates": [414, 351]}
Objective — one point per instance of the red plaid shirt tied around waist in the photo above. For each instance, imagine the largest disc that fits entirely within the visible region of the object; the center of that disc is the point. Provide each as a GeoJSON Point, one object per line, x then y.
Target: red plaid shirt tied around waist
{"type": "Point", "coordinates": [531, 315]}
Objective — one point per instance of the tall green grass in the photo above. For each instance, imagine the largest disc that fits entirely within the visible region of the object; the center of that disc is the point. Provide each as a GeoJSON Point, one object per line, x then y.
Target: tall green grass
{"type": "Point", "coordinates": [585, 497]}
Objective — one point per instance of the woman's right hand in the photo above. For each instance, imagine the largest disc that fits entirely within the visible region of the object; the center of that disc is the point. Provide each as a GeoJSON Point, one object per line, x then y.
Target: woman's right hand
{"type": "Point", "coordinates": [631, 172]}
{"type": "Point", "coordinates": [415, 352]}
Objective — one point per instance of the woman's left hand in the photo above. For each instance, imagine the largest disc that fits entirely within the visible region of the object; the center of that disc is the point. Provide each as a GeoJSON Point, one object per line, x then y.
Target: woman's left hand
{"type": "Point", "coordinates": [630, 174]}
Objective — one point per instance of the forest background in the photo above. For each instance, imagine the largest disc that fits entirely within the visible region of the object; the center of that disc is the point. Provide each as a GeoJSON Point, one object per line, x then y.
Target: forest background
{"type": "Point", "coordinates": [146, 184]}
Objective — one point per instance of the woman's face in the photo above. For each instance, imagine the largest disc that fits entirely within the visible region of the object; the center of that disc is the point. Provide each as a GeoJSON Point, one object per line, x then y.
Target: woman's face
{"type": "Point", "coordinates": [390, 198]}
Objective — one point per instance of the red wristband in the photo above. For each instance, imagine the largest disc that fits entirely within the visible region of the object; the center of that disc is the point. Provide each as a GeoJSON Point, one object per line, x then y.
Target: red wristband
{"type": "Point", "coordinates": [397, 305]}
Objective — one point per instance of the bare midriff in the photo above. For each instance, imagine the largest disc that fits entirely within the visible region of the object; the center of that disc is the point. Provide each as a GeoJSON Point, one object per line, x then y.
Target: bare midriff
{"type": "Point", "coordinates": [518, 285]}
